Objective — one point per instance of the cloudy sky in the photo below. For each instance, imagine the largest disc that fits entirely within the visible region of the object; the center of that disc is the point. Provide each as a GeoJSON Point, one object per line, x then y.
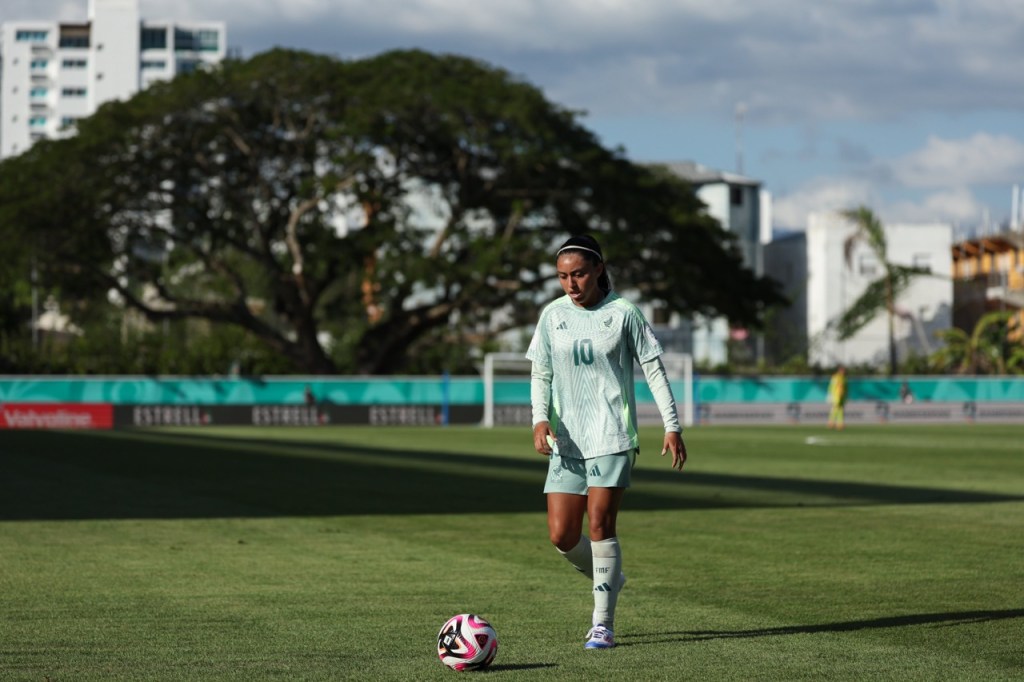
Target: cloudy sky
{"type": "Point", "coordinates": [912, 107]}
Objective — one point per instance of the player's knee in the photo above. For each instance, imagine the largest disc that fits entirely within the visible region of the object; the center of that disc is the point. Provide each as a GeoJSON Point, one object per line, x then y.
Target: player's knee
{"type": "Point", "coordinates": [563, 540]}
{"type": "Point", "coordinates": [602, 529]}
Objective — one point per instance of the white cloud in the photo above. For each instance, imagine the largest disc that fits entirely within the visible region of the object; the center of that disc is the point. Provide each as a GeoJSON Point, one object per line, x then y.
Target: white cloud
{"type": "Point", "coordinates": [956, 206]}
{"type": "Point", "coordinates": [826, 194]}
{"type": "Point", "coordinates": [790, 59]}
{"type": "Point", "coordinates": [797, 65]}
{"type": "Point", "coordinates": [951, 166]}
{"type": "Point", "coordinates": [982, 159]}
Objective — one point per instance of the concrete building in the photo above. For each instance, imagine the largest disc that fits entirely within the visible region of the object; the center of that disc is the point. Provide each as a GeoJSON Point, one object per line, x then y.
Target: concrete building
{"type": "Point", "coordinates": [833, 285]}
{"type": "Point", "coordinates": [785, 261]}
{"type": "Point", "coordinates": [54, 73]}
{"type": "Point", "coordinates": [744, 209]}
{"type": "Point", "coordinates": [989, 276]}
{"type": "Point", "coordinates": [736, 201]}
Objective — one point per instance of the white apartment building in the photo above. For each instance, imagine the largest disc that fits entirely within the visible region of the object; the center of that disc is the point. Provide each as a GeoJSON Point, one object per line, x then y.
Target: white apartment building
{"type": "Point", "coordinates": [833, 285]}
{"type": "Point", "coordinates": [740, 205]}
{"type": "Point", "coordinates": [54, 73]}
{"type": "Point", "coordinates": [735, 201]}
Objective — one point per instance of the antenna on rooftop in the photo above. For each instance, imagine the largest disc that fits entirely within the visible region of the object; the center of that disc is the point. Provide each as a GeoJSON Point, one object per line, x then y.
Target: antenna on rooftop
{"type": "Point", "coordinates": [741, 111]}
{"type": "Point", "coordinates": [1015, 209]}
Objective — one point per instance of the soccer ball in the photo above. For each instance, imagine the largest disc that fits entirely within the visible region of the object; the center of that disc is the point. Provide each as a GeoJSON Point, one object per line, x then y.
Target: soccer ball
{"type": "Point", "coordinates": [467, 642]}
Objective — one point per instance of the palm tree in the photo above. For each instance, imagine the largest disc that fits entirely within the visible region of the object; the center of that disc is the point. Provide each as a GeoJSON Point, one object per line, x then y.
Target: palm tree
{"type": "Point", "coordinates": [955, 353]}
{"type": "Point", "coordinates": [880, 294]}
{"type": "Point", "coordinates": [988, 349]}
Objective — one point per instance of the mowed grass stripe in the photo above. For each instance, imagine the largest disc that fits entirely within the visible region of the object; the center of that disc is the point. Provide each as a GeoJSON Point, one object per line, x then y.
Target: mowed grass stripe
{"type": "Point", "coordinates": [167, 474]}
{"type": "Point", "coordinates": [763, 561]}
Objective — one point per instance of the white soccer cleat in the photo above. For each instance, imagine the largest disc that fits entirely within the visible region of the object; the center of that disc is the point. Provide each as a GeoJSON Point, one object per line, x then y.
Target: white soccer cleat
{"type": "Point", "coordinates": [600, 637]}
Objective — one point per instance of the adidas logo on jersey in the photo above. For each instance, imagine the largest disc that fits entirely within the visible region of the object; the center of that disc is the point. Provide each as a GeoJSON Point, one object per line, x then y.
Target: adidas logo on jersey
{"type": "Point", "coordinates": [562, 326]}
{"type": "Point", "coordinates": [594, 471]}
{"type": "Point", "coordinates": [603, 587]}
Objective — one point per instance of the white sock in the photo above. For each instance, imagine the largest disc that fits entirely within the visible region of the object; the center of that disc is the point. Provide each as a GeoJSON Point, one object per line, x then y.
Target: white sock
{"type": "Point", "coordinates": [581, 557]}
{"type": "Point", "coordinates": [607, 558]}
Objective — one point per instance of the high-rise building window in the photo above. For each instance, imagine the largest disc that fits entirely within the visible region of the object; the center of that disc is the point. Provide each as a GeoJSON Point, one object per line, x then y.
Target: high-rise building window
{"type": "Point", "coordinates": [154, 64]}
{"type": "Point", "coordinates": [37, 121]}
{"type": "Point", "coordinates": [735, 195]}
{"type": "Point", "coordinates": [183, 40]}
{"type": "Point", "coordinates": [30, 36]}
{"type": "Point", "coordinates": [196, 41]}
{"type": "Point", "coordinates": [208, 41]}
{"type": "Point", "coordinates": [73, 64]}
{"type": "Point", "coordinates": [72, 92]}
{"type": "Point", "coordinates": [153, 39]}
{"type": "Point", "coordinates": [74, 41]}
{"type": "Point", "coordinates": [37, 92]}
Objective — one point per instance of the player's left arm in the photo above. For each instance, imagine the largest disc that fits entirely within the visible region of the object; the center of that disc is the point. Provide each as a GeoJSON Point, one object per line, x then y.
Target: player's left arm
{"type": "Point", "coordinates": [647, 351]}
{"type": "Point", "coordinates": [657, 380]}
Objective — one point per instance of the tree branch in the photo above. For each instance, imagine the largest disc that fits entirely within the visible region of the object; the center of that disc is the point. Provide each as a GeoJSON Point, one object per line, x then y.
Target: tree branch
{"type": "Point", "coordinates": [238, 140]}
{"type": "Point", "coordinates": [295, 249]}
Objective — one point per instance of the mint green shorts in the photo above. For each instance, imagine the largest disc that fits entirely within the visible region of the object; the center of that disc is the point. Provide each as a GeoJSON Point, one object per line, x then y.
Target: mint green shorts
{"type": "Point", "coordinates": [576, 476]}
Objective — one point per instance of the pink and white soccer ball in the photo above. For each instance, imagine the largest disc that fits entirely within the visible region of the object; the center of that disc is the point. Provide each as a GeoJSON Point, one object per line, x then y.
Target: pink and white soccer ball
{"type": "Point", "coordinates": [467, 642]}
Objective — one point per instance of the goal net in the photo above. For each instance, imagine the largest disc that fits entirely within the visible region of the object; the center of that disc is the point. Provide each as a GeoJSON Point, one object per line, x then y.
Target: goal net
{"type": "Point", "coordinates": [506, 380]}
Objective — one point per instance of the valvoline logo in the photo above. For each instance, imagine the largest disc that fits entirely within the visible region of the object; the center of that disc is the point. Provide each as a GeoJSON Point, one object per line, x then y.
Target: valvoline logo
{"type": "Point", "coordinates": [56, 416]}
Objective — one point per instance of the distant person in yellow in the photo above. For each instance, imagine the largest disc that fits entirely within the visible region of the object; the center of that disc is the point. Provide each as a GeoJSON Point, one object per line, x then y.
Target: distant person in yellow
{"type": "Point", "coordinates": [837, 398]}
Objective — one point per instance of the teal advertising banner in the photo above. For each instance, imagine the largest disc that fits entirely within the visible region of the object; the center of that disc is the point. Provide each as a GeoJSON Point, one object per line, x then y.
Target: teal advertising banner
{"type": "Point", "coordinates": [468, 390]}
{"type": "Point", "coordinates": [241, 391]}
{"type": "Point", "coordinates": [810, 389]}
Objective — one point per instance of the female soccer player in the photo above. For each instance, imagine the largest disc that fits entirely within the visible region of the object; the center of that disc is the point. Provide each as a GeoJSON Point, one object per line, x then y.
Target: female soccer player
{"type": "Point", "coordinates": [584, 417]}
{"type": "Point", "coordinates": [837, 391]}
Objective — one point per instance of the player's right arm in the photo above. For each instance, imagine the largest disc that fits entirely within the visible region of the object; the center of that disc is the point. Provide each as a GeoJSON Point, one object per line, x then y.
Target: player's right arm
{"type": "Point", "coordinates": [543, 438]}
{"type": "Point", "coordinates": [541, 375]}
{"type": "Point", "coordinates": [540, 400]}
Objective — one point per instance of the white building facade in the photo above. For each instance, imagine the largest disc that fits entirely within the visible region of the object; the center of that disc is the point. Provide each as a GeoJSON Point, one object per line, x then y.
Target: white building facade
{"type": "Point", "coordinates": [785, 261]}
{"type": "Point", "coordinates": [740, 205]}
{"type": "Point", "coordinates": [833, 285]}
{"type": "Point", "coordinates": [54, 73]}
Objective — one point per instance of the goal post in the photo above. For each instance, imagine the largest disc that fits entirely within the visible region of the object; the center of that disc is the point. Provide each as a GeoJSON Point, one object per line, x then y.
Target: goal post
{"type": "Point", "coordinates": [678, 368]}
{"type": "Point", "coordinates": [515, 361]}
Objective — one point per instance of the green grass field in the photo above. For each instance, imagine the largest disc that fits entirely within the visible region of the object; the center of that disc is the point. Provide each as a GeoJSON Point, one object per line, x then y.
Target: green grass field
{"type": "Point", "coordinates": [879, 553]}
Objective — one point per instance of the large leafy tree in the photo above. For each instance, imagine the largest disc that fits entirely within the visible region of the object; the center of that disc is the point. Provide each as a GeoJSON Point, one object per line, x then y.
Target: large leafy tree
{"type": "Point", "coordinates": [881, 294]}
{"type": "Point", "coordinates": [395, 205]}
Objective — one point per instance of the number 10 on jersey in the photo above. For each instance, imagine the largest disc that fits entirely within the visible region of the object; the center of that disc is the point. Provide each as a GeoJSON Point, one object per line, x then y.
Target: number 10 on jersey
{"type": "Point", "coordinates": [583, 352]}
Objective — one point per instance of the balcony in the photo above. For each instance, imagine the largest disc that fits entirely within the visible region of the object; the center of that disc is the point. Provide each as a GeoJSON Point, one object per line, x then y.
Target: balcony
{"type": "Point", "coordinates": [1003, 286]}
{"type": "Point", "coordinates": [74, 36]}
